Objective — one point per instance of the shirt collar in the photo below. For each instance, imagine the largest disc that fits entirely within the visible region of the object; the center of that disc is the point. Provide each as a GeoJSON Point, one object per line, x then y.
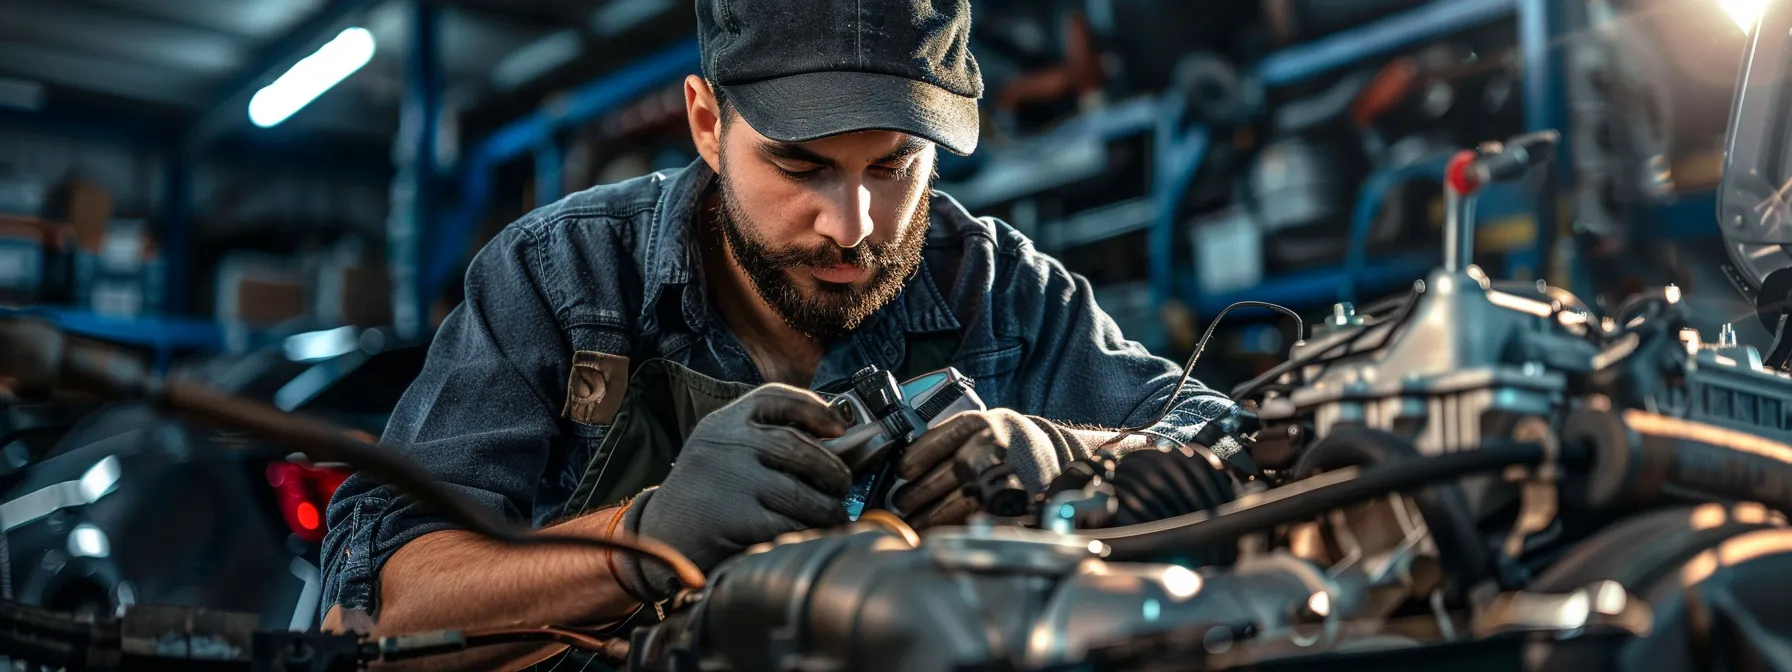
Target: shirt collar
{"type": "Point", "coordinates": [675, 281]}
{"type": "Point", "coordinates": [672, 257]}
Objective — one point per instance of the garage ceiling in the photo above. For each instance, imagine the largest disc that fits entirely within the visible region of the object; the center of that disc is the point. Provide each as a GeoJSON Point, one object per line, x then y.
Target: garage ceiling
{"type": "Point", "coordinates": [174, 60]}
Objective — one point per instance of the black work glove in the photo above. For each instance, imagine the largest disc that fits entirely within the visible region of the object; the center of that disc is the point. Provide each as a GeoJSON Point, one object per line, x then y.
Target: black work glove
{"type": "Point", "coordinates": [750, 471]}
{"type": "Point", "coordinates": [976, 461]}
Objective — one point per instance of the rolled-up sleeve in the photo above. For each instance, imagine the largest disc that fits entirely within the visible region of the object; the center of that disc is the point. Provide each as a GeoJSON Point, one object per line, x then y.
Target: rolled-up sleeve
{"type": "Point", "coordinates": [479, 418]}
{"type": "Point", "coordinates": [1080, 369]}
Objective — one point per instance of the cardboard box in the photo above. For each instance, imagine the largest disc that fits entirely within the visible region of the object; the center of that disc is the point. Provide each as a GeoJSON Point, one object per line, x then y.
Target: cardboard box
{"type": "Point", "coordinates": [90, 212]}
{"type": "Point", "coordinates": [265, 303]}
{"type": "Point", "coordinates": [260, 289]}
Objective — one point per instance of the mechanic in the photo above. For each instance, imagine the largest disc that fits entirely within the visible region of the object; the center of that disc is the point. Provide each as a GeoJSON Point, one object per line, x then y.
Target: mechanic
{"type": "Point", "coordinates": [805, 243]}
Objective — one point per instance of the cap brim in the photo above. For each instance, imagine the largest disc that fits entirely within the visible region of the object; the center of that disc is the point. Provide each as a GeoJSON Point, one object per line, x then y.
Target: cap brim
{"type": "Point", "coordinates": [805, 107]}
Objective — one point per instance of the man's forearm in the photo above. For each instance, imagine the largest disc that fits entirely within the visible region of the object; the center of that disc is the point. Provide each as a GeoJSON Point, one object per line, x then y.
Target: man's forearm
{"type": "Point", "coordinates": [457, 580]}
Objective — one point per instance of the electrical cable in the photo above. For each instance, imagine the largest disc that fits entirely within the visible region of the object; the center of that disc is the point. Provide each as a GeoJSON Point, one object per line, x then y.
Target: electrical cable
{"type": "Point", "coordinates": [1250, 387]}
{"type": "Point", "coordinates": [612, 649]}
{"type": "Point", "coordinates": [1188, 370]}
{"type": "Point", "coordinates": [324, 443]}
{"type": "Point", "coordinates": [1204, 529]}
{"type": "Point", "coordinates": [1444, 507]}
{"type": "Point", "coordinates": [443, 642]}
{"type": "Point", "coordinates": [1381, 307]}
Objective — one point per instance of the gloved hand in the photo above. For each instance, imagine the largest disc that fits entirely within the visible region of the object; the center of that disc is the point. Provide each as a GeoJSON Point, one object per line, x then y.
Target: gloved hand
{"type": "Point", "coordinates": [978, 446]}
{"type": "Point", "coordinates": [750, 471]}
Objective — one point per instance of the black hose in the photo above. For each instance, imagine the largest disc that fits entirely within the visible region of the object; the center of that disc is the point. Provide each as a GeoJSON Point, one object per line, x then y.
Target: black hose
{"type": "Point", "coordinates": [1182, 534]}
{"type": "Point", "coordinates": [1152, 485]}
{"type": "Point", "coordinates": [1649, 305]}
{"type": "Point", "coordinates": [1464, 556]}
{"type": "Point", "coordinates": [1157, 484]}
{"type": "Point", "coordinates": [1641, 550]}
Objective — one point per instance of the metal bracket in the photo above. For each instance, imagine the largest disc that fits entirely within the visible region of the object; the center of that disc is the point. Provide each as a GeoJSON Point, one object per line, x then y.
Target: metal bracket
{"type": "Point", "coordinates": [1538, 503]}
{"type": "Point", "coordinates": [1601, 604]}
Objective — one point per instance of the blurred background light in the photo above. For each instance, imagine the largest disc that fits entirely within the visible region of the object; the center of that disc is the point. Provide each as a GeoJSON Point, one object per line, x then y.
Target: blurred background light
{"type": "Point", "coordinates": [311, 77]}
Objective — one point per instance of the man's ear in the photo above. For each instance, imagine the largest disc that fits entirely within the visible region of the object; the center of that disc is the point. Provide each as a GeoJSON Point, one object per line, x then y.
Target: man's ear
{"type": "Point", "coordinates": [705, 116]}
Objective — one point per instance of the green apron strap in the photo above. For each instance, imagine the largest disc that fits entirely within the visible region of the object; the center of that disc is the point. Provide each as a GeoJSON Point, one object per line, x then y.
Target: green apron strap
{"type": "Point", "coordinates": [663, 403]}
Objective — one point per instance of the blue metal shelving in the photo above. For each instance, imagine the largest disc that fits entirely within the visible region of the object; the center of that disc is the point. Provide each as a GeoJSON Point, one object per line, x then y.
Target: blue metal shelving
{"type": "Point", "coordinates": [1071, 152]}
{"type": "Point", "coordinates": [1178, 155]}
{"type": "Point", "coordinates": [163, 335]}
{"type": "Point", "coordinates": [1317, 287]}
{"type": "Point", "coordinates": [534, 133]}
{"type": "Point", "coordinates": [1388, 35]}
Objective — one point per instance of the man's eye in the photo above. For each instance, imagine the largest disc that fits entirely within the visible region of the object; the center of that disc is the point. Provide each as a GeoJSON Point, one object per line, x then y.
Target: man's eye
{"type": "Point", "coordinates": [888, 172]}
{"type": "Point", "coordinates": [803, 174]}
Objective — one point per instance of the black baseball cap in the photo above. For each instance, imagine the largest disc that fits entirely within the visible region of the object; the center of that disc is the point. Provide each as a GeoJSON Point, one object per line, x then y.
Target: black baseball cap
{"type": "Point", "coordinates": [799, 70]}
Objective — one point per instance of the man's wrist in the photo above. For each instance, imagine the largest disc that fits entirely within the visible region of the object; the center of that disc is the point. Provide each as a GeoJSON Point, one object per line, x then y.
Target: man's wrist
{"type": "Point", "coordinates": [644, 580]}
{"type": "Point", "coordinates": [1082, 443]}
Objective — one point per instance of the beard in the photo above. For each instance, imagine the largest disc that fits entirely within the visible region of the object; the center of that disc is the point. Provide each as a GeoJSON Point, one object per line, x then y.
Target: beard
{"type": "Point", "coordinates": [828, 310]}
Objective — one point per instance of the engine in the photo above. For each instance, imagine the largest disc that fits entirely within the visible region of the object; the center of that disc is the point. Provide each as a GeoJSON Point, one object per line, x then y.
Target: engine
{"type": "Point", "coordinates": [1474, 473]}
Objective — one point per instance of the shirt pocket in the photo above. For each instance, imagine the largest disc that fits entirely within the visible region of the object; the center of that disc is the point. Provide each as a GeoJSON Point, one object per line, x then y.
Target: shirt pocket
{"type": "Point", "coordinates": [597, 383]}
{"type": "Point", "coordinates": [993, 371]}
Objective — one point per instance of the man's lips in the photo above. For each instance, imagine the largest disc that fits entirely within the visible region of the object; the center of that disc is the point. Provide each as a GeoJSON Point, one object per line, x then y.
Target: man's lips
{"type": "Point", "coordinates": [839, 273]}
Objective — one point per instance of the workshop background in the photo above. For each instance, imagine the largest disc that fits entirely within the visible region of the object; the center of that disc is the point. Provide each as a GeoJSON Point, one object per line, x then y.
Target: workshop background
{"type": "Point", "coordinates": [279, 197]}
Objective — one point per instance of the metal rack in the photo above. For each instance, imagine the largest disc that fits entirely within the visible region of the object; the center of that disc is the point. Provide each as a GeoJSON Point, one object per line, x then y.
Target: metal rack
{"type": "Point", "coordinates": [1180, 148]}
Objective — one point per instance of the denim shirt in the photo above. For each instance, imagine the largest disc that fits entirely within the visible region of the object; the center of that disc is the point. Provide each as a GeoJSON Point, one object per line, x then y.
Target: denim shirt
{"type": "Point", "coordinates": [614, 269]}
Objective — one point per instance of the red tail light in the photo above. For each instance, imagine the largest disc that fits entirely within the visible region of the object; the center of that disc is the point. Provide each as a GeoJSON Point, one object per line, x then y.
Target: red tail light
{"type": "Point", "coordinates": [303, 492]}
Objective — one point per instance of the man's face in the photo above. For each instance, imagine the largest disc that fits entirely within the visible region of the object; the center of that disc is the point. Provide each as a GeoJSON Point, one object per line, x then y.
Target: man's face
{"type": "Point", "coordinates": [827, 231]}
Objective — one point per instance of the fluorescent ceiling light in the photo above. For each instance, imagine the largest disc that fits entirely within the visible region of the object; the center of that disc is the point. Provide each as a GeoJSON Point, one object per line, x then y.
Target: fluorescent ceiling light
{"type": "Point", "coordinates": [1744, 12]}
{"type": "Point", "coordinates": [617, 16]}
{"type": "Point", "coordinates": [313, 346]}
{"type": "Point", "coordinates": [311, 77]}
{"type": "Point", "coordinates": [530, 62]}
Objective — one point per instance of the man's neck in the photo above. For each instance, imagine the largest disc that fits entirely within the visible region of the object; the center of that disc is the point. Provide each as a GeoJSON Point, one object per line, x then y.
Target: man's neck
{"type": "Point", "coordinates": [783, 354]}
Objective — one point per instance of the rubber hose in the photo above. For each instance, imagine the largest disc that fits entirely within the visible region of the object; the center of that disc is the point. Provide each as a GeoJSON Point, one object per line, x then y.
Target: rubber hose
{"type": "Point", "coordinates": [1202, 530]}
{"type": "Point", "coordinates": [1147, 492]}
{"type": "Point", "coordinates": [1641, 550]}
{"type": "Point", "coordinates": [1153, 485]}
{"type": "Point", "coordinates": [1465, 558]}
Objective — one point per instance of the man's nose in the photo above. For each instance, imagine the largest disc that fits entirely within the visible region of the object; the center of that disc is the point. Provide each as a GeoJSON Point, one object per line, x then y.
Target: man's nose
{"type": "Point", "coordinates": [847, 221]}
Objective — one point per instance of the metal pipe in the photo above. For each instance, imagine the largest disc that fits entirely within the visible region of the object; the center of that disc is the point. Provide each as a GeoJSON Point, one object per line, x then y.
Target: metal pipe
{"type": "Point", "coordinates": [413, 185]}
{"type": "Point", "coordinates": [1459, 236]}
